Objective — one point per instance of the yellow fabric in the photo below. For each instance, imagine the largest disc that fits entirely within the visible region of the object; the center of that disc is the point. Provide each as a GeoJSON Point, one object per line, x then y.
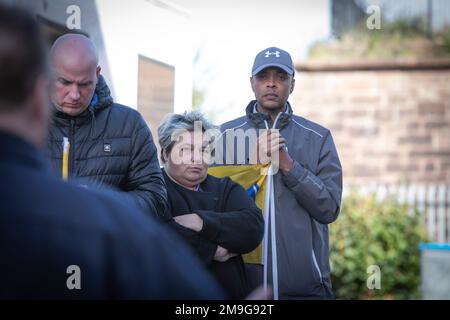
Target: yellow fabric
{"type": "Point", "coordinates": [247, 176]}
{"type": "Point", "coordinates": [65, 162]}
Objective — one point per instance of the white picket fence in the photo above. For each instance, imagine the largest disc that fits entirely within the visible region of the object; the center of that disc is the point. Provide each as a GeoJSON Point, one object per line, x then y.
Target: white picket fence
{"type": "Point", "coordinates": [431, 200]}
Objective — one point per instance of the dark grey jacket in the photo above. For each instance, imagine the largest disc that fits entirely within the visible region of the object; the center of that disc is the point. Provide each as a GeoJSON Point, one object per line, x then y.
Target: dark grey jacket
{"type": "Point", "coordinates": [307, 199]}
{"type": "Point", "coordinates": [110, 144]}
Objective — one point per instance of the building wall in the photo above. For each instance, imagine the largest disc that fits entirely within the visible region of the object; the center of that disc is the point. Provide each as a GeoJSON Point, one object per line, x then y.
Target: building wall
{"type": "Point", "coordinates": [55, 11]}
{"type": "Point", "coordinates": [123, 31]}
{"type": "Point", "coordinates": [153, 29]}
{"type": "Point", "coordinates": [390, 126]}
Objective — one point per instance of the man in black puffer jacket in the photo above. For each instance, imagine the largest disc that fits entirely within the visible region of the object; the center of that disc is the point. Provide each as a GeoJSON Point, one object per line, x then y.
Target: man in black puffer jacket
{"type": "Point", "coordinates": [109, 144]}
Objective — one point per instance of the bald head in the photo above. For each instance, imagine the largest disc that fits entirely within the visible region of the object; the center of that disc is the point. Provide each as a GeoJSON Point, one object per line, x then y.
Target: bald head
{"type": "Point", "coordinates": [74, 62]}
{"type": "Point", "coordinates": [74, 46]}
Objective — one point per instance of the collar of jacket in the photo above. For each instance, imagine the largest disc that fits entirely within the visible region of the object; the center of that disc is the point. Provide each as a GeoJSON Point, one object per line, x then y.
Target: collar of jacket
{"type": "Point", "coordinates": [258, 118]}
{"type": "Point", "coordinates": [103, 100]}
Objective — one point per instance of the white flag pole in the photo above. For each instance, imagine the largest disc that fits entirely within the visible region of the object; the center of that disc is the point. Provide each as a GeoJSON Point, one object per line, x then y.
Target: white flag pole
{"type": "Point", "coordinates": [266, 232]}
{"type": "Point", "coordinates": [273, 237]}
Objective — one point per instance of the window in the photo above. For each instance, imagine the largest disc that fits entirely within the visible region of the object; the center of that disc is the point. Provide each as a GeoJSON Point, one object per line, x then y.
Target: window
{"type": "Point", "coordinates": [155, 92]}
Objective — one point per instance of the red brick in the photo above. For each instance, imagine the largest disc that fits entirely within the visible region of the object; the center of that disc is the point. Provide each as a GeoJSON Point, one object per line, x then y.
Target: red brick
{"type": "Point", "coordinates": [365, 171]}
{"type": "Point", "coordinates": [436, 124]}
{"type": "Point", "coordinates": [432, 108]}
{"type": "Point", "coordinates": [415, 140]}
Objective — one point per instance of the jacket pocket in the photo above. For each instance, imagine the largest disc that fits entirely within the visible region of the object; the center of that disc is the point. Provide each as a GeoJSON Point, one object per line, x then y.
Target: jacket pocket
{"type": "Point", "coordinates": [316, 265]}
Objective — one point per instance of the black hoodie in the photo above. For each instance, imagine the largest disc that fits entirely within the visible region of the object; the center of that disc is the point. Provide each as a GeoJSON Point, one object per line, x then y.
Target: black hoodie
{"type": "Point", "coordinates": [230, 219]}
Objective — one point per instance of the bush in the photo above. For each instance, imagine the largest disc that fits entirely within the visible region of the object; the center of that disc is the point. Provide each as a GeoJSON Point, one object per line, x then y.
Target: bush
{"type": "Point", "coordinates": [375, 233]}
{"type": "Point", "coordinates": [395, 40]}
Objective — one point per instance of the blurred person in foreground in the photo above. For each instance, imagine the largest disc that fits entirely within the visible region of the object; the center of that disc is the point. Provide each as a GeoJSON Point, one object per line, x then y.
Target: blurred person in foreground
{"type": "Point", "coordinates": [49, 227]}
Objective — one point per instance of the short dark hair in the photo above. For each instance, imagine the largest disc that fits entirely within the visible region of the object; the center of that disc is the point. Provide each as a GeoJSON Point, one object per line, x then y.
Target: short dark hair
{"type": "Point", "coordinates": [23, 56]}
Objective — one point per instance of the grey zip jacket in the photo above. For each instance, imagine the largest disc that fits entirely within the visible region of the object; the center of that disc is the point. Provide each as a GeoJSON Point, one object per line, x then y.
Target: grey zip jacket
{"type": "Point", "coordinates": [307, 199]}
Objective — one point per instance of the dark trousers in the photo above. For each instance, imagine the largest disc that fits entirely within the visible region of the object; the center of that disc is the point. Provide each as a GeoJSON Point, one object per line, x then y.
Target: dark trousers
{"type": "Point", "coordinates": [255, 274]}
{"type": "Point", "coordinates": [255, 277]}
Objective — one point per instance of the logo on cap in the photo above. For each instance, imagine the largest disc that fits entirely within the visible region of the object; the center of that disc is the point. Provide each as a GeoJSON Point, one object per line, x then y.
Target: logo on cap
{"type": "Point", "coordinates": [276, 53]}
{"type": "Point", "coordinates": [273, 57]}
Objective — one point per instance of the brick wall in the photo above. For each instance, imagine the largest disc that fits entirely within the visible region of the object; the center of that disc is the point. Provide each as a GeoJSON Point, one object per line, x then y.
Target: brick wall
{"type": "Point", "coordinates": [390, 121]}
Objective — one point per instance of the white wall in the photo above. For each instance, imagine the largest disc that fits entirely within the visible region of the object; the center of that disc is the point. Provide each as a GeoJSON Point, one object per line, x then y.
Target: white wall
{"type": "Point", "coordinates": [140, 27]}
{"type": "Point", "coordinates": [229, 33]}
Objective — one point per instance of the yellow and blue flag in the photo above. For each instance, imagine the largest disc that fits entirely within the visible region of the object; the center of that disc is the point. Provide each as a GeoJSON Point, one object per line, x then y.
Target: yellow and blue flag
{"type": "Point", "coordinates": [252, 178]}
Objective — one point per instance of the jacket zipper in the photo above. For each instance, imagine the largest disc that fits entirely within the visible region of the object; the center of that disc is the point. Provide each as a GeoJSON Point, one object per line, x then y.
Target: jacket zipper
{"type": "Point", "coordinates": [72, 147]}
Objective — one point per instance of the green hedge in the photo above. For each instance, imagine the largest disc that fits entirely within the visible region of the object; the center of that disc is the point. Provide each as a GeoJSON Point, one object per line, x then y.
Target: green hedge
{"type": "Point", "coordinates": [367, 233]}
{"type": "Point", "coordinates": [395, 40]}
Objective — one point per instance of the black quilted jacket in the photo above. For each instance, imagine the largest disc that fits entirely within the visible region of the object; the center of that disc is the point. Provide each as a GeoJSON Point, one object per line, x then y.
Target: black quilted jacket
{"type": "Point", "coordinates": [110, 144]}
